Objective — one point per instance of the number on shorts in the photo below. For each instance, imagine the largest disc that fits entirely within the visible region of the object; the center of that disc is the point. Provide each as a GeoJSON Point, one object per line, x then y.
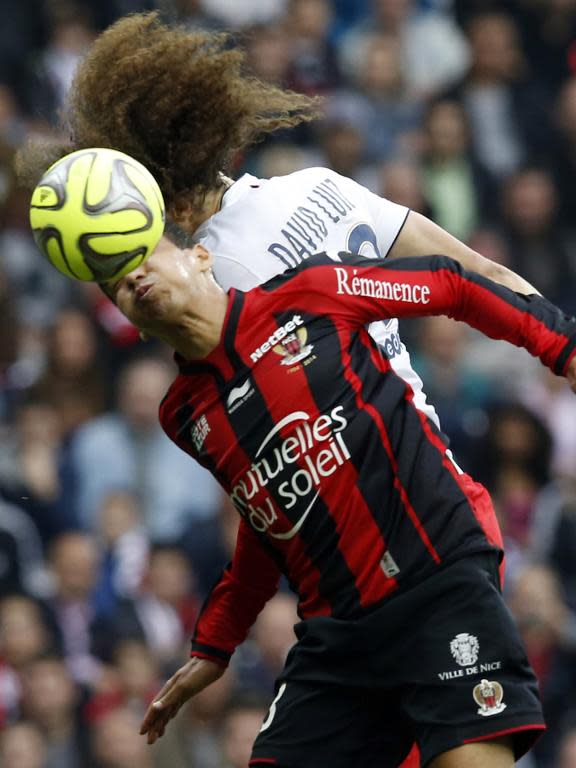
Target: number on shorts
{"type": "Point", "coordinates": [272, 711]}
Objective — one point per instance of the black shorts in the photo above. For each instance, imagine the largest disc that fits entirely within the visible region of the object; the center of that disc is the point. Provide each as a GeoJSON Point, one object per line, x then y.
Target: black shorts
{"type": "Point", "coordinates": [441, 664]}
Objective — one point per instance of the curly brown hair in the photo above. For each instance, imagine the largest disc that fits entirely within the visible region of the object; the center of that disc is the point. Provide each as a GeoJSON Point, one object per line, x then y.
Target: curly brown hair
{"type": "Point", "coordinates": [180, 102]}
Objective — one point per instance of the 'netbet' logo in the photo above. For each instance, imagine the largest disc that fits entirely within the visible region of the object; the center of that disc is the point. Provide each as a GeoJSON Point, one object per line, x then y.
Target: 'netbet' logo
{"type": "Point", "coordinates": [317, 448]}
{"type": "Point", "coordinates": [278, 335]}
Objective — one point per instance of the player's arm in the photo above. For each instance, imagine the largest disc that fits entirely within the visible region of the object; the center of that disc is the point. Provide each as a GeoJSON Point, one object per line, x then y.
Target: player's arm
{"type": "Point", "coordinates": [230, 610]}
{"type": "Point", "coordinates": [399, 232]}
{"type": "Point", "coordinates": [360, 291]}
{"type": "Point", "coordinates": [419, 237]}
{"type": "Point", "coordinates": [233, 605]}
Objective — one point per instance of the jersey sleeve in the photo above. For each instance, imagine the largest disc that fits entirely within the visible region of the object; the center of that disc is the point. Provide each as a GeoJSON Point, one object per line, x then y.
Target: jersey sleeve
{"type": "Point", "coordinates": [233, 605]}
{"type": "Point", "coordinates": [385, 219]}
{"type": "Point", "coordinates": [360, 291]}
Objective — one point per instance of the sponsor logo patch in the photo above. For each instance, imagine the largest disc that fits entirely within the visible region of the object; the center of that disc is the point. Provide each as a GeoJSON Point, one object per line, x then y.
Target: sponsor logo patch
{"type": "Point", "coordinates": [199, 432]}
{"type": "Point", "coordinates": [279, 335]}
{"type": "Point", "coordinates": [291, 464]}
{"type": "Point", "coordinates": [239, 395]}
{"type": "Point", "coordinates": [355, 285]}
{"type": "Point", "coordinates": [465, 649]}
{"type": "Point", "coordinates": [488, 694]}
{"type": "Point", "coordinates": [389, 565]}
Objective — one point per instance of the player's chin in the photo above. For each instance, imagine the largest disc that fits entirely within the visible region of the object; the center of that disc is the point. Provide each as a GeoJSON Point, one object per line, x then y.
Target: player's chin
{"type": "Point", "coordinates": [146, 314]}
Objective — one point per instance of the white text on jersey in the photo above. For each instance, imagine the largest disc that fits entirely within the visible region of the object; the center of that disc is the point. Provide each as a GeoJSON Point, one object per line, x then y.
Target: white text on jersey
{"type": "Point", "coordinates": [293, 468]}
{"type": "Point", "coordinates": [380, 289]}
{"type": "Point", "coordinates": [278, 335]}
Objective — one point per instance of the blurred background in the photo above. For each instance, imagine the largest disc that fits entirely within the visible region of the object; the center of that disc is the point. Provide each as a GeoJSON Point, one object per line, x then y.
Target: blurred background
{"type": "Point", "coordinates": [110, 537]}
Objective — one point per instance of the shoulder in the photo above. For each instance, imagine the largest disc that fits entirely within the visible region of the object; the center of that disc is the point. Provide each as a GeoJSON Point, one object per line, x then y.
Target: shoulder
{"type": "Point", "coordinates": [171, 403]}
{"type": "Point", "coordinates": [307, 273]}
{"type": "Point", "coordinates": [309, 177]}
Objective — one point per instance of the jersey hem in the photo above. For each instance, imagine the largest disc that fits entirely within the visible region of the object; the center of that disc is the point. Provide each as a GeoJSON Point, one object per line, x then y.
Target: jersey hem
{"type": "Point", "coordinates": [393, 243]}
{"type": "Point", "coordinates": [571, 357]}
{"type": "Point", "coordinates": [201, 651]}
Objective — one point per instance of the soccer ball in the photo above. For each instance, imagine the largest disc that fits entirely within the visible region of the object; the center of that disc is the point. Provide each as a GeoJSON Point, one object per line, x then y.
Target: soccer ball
{"type": "Point", "coordinates": [97, 214]}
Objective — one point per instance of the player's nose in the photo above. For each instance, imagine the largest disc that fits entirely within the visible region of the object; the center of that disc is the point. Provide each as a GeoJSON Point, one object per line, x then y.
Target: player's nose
{"type": "Point", "coordinates": [136, 276]}
{"type": "Point", "coordinates": [138, 273]}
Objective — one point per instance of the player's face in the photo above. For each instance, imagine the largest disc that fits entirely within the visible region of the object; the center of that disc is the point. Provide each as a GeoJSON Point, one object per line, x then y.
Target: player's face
{"type": "Point", "coordinates": [154, 295]}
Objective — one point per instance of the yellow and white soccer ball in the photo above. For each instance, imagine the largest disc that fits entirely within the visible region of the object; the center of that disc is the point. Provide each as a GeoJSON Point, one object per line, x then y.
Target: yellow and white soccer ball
{"type": "Point", "coordinates": [97, 214]}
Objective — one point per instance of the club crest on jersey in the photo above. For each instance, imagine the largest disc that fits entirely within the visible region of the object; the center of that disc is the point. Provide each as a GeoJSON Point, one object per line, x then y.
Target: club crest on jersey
{"type": "Point", "coordinates": [293, 347]}
{"type": "Point", "coordinates": [488, 695]}
{"type": "Point", "coordinates": [464, 648]}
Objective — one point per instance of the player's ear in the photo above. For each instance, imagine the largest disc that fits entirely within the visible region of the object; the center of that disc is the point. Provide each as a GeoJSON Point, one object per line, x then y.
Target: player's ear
{"type": "Point", "coordinates": [203, 255]}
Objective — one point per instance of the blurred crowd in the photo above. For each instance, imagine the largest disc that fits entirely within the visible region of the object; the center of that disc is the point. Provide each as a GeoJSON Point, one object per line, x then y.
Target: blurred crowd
{"type": "Point", "coordinates": [110, 537]}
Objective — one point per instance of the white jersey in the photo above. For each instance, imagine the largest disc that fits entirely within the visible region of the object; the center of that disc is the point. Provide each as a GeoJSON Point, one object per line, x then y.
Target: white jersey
{"type": "Point", "coordinates": [266, 226]}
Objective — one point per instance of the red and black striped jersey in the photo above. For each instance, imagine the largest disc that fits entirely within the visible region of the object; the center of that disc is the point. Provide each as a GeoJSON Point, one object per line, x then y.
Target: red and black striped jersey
{"type": "Point", "coordinates": [342, 484]}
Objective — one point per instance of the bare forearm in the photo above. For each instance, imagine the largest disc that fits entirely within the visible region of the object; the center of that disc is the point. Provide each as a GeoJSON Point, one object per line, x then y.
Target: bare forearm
{"type": "Point", "coordinates": [421, 237]}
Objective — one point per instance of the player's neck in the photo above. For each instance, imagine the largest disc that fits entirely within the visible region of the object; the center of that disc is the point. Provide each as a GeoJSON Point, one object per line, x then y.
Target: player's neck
{"type": "Point", "coordinates": [195, 215]}
{"type": "Point", "coordinates": [199, 331]}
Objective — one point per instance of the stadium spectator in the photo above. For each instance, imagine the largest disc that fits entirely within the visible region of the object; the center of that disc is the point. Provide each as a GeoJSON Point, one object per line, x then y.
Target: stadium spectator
{"type": "Point", "coordinates": [115, 742]}
{"type": "Point", "coordinates": [460, 395]}
{"type": "Point", "coordinates": [434, 49]}
{"type": "Point", "coordinates": [125, 547]}
{"type": "Point", "coordinates": [133, 676]}
{"type": "Point", "coordinates": [200, 725]}
{"type": "Point", "coordinates": [22, 746]}
{"type": "Point", "coordinates": [385, 114]}
{"type": "Point", "coordinates": [31, 474]}
{"type": "Point", "coordinates": [562, 160]}
{"type": "Point", "coordinates": [548, 30]}
{"type": "Point", "coordinates": [162, 613]}
{"type": "Point", "coordinates": [401, 181]}
{"type": "Point", "coordinates": [342, 148]}
{"type": "Point", "coordinates": [74, 376]}
{"type": "Point", "coordinates": [548, 629]}
{"type": "Point", "coordinates": [553, 535]}
{"type": "Point", "coordinates": [513, 460]}
{"type": "Point", "coordinates": [546, 395]}
{"type": "Point", "coordinates": [74, 561]}
{"type": "Point", "coordinates": [272, 636]}
{"type": "Point", "coordinates": [25, 633]}
{"type": "Point", "coordinates": [506, 108]}
{"type": "Point", "coordinates": [314, 67]}
{"type": "Point", "coordinates": [22, 566]}
{"type": "Point", "coordinates": [21, 34]}
{"type": "Point", "coordinates": [71, 31]}
{"type": "Point", "coordinates": [241, 723]}
{"type": "Point", "coordinates": [131, 453]}
{"type": "Point", "coordinates": [455, 186]}
{"type": "Point", "coordinates": [12, 123]}
{"type": "Point", "coordinates": [51, 700]}
{"type": "Point", "coordinates": [269, 53]}
{"type": "Point", "coordinates": [539, 245]}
